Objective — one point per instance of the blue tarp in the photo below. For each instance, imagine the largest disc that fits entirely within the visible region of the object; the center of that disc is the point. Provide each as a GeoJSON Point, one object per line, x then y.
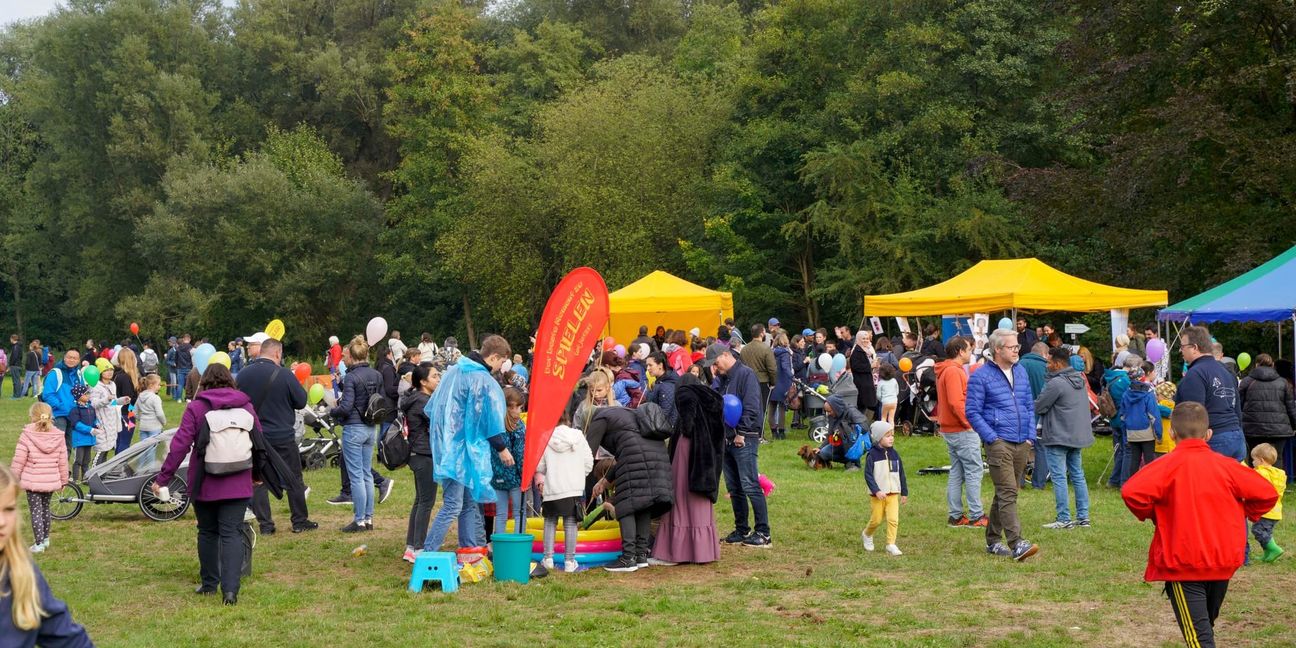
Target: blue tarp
{"type": "Point", "coordinates": [1265, 294]}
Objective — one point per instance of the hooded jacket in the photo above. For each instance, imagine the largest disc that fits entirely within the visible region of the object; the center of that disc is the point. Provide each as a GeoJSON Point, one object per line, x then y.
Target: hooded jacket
{"type": "Point", "coordinates": [783, 382]}
{"type": "Point", "coordinates": [1116, 383]}
{"type": "Point", "coordinates": [1268, 410]}
{"type": "Point", "coordinates": [212, 487]}
{"type": "Point", "coordinates": [847, 421]}
{"type": "Point", "coordinates": [82, 423]}
{"type": "Point", "coordinates": [1037, 370]}
{"type": "Point", "coordinates": [951, 397]}
{"type": "Point", "coordinates": [57, 391]}
{"type": "Point", "coordinates": [465, 423]}
{"type": "Point", "coordinates": [56, 627]}
{"type": "Point", "coordinates": [642, 473]}
{"type": "Point", "coordinates": [1140, 411]}
{"type": "Point", "coordinates": [701, 422]}
{"type": "Point", "coordinates": [565, 463]}
{"type": "Point", "coordinates": [1199, 499]}
{"type": "Point", "coordinates": [413, 403]}
{"type": "Point", "coordinates": [998, 409]}
{"type": "Point", "coordinates": [103, 397]}
{"type": "Point", "coordinates": [149, 415]}
{"type": "Point", "coordinates": [40, 460]}
{"type": "Point", "coordinates": [1063, 409]}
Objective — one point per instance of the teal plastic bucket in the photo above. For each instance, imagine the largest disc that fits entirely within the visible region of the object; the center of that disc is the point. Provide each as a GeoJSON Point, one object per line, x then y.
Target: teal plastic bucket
{"type": "Point", "coordinates": [513, 556]}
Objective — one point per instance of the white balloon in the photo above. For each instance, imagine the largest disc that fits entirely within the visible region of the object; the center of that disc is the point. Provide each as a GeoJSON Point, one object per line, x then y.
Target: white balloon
{"type": "Point", "coordinates": [376, 330]}
{"type": "Point", "coordinates": [506, 366]}
{"type": "Point", "coordinates": [825, 362]}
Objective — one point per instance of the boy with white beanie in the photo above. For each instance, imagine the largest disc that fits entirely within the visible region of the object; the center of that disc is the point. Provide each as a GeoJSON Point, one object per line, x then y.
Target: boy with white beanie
{"type": "Point", "coordinates": [888, 489]}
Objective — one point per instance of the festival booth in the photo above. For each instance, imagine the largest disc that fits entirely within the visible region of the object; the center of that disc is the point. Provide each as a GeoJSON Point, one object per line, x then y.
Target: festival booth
{"type": "Point", "coordinates": [662, 299]}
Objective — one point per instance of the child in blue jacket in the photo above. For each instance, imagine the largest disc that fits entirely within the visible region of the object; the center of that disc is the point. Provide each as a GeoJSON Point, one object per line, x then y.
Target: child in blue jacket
{"type": "Point", "coordinates": [82, 423]}
{"type": "Point", "coordinates": [1142, 418]}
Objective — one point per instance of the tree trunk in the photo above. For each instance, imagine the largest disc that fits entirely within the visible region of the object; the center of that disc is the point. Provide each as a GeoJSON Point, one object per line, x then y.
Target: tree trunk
{"type": "Point", "coordinates": [805, 266]}
{"type": "Point", "coordinates": [468, 323]}
{"type": "Point", "coordinates": [18, 313]}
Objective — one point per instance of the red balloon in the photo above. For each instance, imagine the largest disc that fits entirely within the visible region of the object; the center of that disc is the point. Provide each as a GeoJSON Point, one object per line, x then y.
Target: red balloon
{"type": "Point", "coordinates": [134, 328]}
{"type": "Point", "coordinates": [609, 344]}
{"type": "Point", "coordinates": [302, 370]}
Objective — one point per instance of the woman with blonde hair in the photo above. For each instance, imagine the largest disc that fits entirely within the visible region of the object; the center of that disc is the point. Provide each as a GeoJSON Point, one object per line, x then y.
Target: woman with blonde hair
{"type": "Point", "coordinates": [127, 380]}
{"type": "Point", "coordinates": [30, 614]}
{"type": "Point", "coordinates": [358, 437]}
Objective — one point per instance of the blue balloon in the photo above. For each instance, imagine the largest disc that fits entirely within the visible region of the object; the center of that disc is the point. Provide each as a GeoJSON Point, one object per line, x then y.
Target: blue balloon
{"type": "Point", "coordinates": [1006, 324]}
{"type": "Point", "coordinates": [732, 410]}
{"type": "Point", "coordinates": [839, 363]}
{"type": "Point", "coordinates": [202, 357]}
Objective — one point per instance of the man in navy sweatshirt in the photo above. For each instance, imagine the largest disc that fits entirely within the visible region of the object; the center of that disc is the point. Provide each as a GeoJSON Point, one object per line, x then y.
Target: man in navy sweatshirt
{"type": "Point", "coordinates": [740, 461]}
{"type": "Point", "coordinates": [1208, 382]}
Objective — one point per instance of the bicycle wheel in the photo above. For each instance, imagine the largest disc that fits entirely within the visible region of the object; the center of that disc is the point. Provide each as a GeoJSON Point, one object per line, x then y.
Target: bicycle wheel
{"type": "Point", "coordinates": [171, 509]}
{"type": "Point", "coordinates": [67, 503]}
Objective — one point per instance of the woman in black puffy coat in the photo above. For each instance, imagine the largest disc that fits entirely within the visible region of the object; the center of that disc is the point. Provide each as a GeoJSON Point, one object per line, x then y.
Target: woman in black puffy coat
{"type": "Point", "coordinates": [1268, 409]}
{"type": "Point", "coordinates": [641, 477]}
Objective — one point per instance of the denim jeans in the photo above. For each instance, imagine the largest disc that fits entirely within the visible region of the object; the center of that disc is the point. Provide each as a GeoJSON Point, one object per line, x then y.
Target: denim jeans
{"type": "Point", "coordinates": [357, 450]}
{"type": "Point", "coordinates": [16, 378]}
{"type": "Point", "coordinates": [171, 381]}
{"type": "Point", "coordinates": [1117, 478]}
{"type": "Point", "coordinates": [181, 377]}
{"type": "Point", "coordinates": [743, 483]}
{"type": "Point", "coordinates": [503, 498]}
{"type": "Point", "coordinates": [1040, 475]}
{"type": "Point", "coordinates": [1229, 443]}
{"type": "Point", "coordinates": [456, 505]}
{"type": "Point", "coordinates": [1066, 465]}
{"type": "Point", "coordinates": [32, 384]}
{"type": "Point", "coordinates": [965, 474]}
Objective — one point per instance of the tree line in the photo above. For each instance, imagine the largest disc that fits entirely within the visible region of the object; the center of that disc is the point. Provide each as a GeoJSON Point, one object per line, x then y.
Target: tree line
{"type": "Point", "coordinates": [188, 165]}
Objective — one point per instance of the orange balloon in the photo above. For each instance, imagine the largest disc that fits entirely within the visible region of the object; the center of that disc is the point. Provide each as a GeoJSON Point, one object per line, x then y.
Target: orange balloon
{"type": "Point", "coordinates": [302, 371]}
{"type": "Point", "coordinates": [906, 364]}
{"type": "Point", "coordinates": [609, 344]}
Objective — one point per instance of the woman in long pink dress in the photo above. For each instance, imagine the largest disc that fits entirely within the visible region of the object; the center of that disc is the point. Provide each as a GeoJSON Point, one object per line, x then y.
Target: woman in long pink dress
{"type": "Point", "coordinates": [687, 534]}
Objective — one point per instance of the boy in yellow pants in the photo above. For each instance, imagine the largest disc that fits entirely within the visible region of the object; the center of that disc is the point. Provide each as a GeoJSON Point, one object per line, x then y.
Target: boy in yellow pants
{"type": "Point", "coordinates": [887, 486]}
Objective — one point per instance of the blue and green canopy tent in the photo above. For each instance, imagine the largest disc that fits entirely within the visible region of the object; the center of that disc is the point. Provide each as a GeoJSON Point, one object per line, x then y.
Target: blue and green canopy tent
{"type": "Point", "coordinates": [1265, 294]}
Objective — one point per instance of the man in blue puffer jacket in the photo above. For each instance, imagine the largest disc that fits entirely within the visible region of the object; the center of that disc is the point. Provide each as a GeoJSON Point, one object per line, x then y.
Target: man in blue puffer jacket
{"type": "Point", "coordinates": [1001, 410]}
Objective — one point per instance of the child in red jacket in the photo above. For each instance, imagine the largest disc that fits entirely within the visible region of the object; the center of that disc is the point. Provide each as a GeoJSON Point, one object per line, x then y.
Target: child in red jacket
{"type": "Point", "coordinates": [1198, 500]}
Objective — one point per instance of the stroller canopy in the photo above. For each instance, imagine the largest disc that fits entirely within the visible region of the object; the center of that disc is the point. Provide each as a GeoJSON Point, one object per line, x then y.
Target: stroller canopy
{"type": "Point", "coordinates": [1021, 284]}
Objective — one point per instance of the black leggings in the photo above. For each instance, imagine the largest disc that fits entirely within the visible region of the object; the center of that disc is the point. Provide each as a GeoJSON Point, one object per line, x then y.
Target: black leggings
{"type": "Point", "coordinates": [425, 491]}
{"type": "Point", "coordinates": [1196, 605]}
{"type": "Point", "coordinates": [635, 529]}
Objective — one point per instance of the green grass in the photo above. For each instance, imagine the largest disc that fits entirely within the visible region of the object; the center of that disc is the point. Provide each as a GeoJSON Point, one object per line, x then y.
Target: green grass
{"type": "Point", "coordinates": [129, 579]}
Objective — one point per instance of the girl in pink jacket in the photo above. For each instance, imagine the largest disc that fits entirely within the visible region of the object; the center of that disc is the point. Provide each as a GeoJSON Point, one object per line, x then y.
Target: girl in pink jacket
{"type": "Point", "coordinates": [41, 465]}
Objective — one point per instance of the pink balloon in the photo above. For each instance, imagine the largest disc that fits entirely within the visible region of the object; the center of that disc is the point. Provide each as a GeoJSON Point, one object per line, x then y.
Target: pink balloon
{"type": "Point", "coordinates": [766, 485]}
{"type": "Point", "coordinates": [1155, 350]}
{"type": "Point", "coordinates": [376, 330]}
{"type": "Point", "coordinates": [620, 351]}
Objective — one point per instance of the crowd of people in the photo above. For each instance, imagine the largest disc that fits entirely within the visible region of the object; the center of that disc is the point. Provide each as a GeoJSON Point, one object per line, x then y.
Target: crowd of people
{"type": "Point", "coordinates": [647, 438]}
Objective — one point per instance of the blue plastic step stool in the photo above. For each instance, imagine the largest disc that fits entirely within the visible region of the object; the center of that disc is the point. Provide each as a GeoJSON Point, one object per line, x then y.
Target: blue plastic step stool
{"type": "Point", "coordinates": [435, 566]}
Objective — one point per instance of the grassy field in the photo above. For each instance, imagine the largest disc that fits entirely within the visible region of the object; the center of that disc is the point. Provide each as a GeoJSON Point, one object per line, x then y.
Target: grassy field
{"type": "Point", "coordinates": [129, 580]}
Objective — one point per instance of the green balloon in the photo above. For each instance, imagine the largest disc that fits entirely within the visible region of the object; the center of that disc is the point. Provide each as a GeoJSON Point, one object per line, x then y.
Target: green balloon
{"type": "Point", "coordinates": [91, 375]}
{"type": "Point", "coordinates": [1244, 361]}
{"type": "Point", "coordinates": [316, 394]}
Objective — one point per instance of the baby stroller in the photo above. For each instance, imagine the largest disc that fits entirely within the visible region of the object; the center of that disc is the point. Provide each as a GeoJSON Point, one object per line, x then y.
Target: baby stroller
{"type": "Point", "coordinates": [921, 382]}
{"type": "Point", "coordinates": [812, 411]}
{"type": "Point", "coordinates": [320, 445]}
{"type": "Point", "coordinates": [127, 478]}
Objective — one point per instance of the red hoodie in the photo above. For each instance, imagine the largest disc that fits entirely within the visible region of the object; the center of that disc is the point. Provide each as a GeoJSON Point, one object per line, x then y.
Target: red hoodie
{"type": "Point", "coordinates": [951, 397]}
{"type": "Point", "coordinates": [1197, 498]}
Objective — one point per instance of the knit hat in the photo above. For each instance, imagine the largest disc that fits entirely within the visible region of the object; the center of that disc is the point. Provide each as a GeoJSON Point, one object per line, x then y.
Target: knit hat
{"type": "Point", "coordinates": [1077, 363]}
{"type": "Point", "coordinates": [79, 390]}
{"type": "Point", "coordinates": [878, 430]}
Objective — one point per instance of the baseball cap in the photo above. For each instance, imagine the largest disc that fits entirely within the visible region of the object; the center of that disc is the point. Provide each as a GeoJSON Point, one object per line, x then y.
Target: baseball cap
{"type": "Point", "coordinates": [256, 338]}
{"type": "Point", "coordinates": [773, 321]}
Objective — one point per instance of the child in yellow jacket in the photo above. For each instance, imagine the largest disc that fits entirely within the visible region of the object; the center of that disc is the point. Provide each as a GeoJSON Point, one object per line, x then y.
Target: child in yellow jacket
{"type": "Point", "coordinates": [1263, 458]}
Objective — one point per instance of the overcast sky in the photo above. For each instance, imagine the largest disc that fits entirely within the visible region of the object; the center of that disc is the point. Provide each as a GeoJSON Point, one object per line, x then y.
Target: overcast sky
{"type": "Point", "coordinates": [11, 10]}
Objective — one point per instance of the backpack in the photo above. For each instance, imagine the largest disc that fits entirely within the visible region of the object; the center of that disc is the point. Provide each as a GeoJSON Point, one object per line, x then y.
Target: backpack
{"type": "Point", "coordinates": [380, 409]}
{"type": "Point", "coordinates": [394, 447]}
{"type": "Point", "coordinates": [229, 441]}
{"type": "Point", "coordinates": [1106, 406]}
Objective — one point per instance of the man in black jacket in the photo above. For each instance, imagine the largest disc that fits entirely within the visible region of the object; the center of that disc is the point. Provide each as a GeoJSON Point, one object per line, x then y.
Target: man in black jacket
{"type": "Point", "coordinates": [16, 365]}
{"type": "Point", "coordinates": [276, 395]}
{"type": "Point", "coordinates": [742, 478]}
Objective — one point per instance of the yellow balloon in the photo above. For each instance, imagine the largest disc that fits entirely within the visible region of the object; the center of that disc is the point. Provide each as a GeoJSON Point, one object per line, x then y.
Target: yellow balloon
{"type": "Point", "coordinates": [220, 358]}
{"type": "Point", "coordinates": [275, 329]}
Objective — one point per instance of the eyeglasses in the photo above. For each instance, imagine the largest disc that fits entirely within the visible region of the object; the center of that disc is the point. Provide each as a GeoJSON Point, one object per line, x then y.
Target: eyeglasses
{"type": "Point", "coordinates": [1185, 345]}
{"type": "Point", "coordinates": [1015, 347]}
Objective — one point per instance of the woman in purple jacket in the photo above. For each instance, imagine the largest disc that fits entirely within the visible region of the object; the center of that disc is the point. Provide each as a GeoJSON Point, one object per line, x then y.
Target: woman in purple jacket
{"type": "Point", "coordinates": [219, 501]}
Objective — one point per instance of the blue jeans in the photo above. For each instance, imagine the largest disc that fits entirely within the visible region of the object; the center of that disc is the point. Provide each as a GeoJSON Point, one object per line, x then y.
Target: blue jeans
{"type": "Point", "coordinates": [455, 505]}
{"type": "Point", "coordinates": [1117, 478]}
{"type": "Point", "coordinates": [965, 474]}
{"type": "Point", "coordinates": [181, 377]}
{"type": "Point", "coordinates": [357, 450]}
{"type": "Point", "coordinates": [1065, 466]}
{"type": "Point", "coordinates": [1229, 443]}
{"type": "Point", "coordinates": [743, 483]}
{"type": "Point", "coordinates": [16, 377]}
{"type": "Point", "coordinates": [502, 500]}
{"type": "Point", "coordinates": [1040, 475]}
{"type": "Point", "coordinates": [32, 383]}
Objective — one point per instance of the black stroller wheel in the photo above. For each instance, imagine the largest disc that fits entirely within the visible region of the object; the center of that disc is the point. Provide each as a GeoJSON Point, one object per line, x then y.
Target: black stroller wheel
{"type": "Point", "coordinates": [160, 511]}
{"type": "Point", "coordinates": [66, 504]}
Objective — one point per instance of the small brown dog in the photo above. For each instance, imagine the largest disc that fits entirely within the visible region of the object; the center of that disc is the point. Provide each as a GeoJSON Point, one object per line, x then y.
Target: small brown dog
{"type": "Point", "coordinates": [811, 456]}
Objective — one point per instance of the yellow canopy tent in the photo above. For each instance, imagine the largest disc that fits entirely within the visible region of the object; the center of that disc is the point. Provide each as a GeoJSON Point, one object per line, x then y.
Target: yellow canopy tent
{"type": "Point", "coordinates": [662, 299]}
{"type": "Point", "coordinates": [1011, 284]}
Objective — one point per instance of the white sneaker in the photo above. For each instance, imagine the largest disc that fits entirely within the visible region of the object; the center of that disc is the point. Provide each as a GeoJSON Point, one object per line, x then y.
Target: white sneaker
{"type": "Point", "coordinates": [661, 563]}
{"type": "Point", "coordinates": [306, 493]}
{"type": "Point", "coordinates": [570, 566]}
{"type": "Point", "coordinates": [37, 548]}
{"type": "Point", "coordinates": [868, 540]}
{"type": "Point", "coordinates": [548, 563]}
{"type": "Point", "coordinates": [894, 550]}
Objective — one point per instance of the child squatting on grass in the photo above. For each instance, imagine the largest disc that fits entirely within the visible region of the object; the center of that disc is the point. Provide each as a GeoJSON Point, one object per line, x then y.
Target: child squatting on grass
{"type": "Point", "coordinates": [1199, 501]}
{"type": "Point", "coordinates": [30, 615]}
{"type": "Point", "coordinates": [1263, 458]}
{"type": "Point", "coordinates": [885, 476]}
